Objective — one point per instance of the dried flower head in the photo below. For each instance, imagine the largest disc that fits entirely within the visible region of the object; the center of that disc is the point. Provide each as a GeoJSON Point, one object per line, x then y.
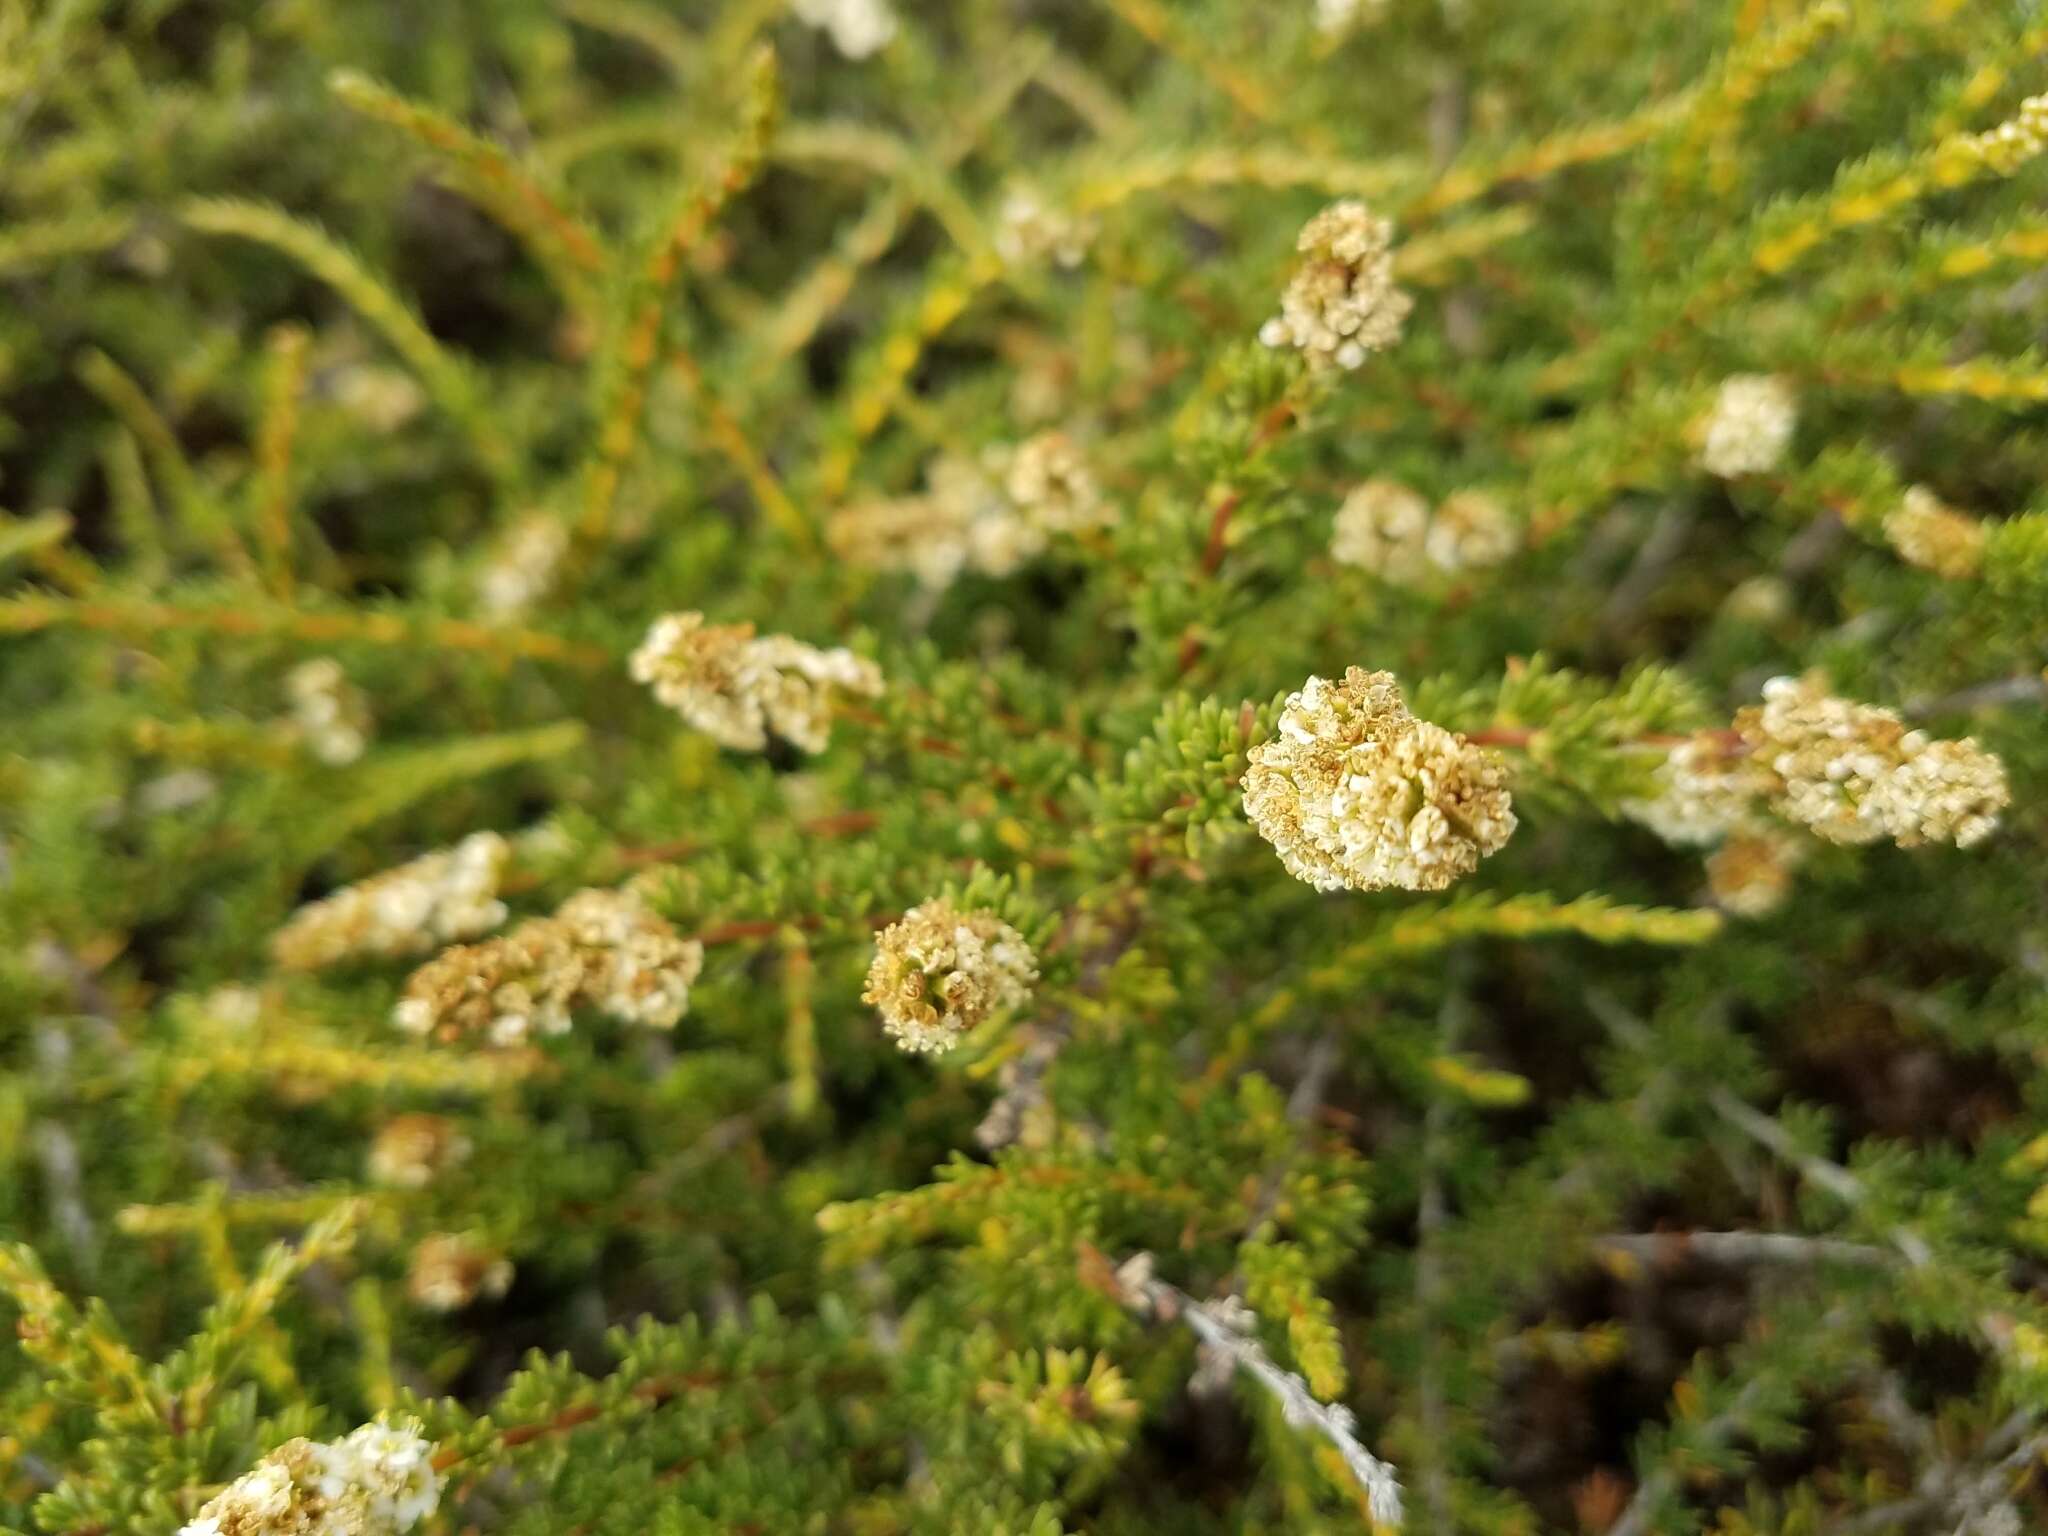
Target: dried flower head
{"type": "Point", "coordinates": [858, 28]}
{"type": "Point", "coordinates": [452, 1269]}
{"type": "Point", "coordinates": [1929, 533]}
{"type": "Point", "coordinates": [1028, 228]}
{"type": "Point", "coordinates": [1356, 793]}
{"type": "Point", "coordinates": [1052, 487]}
{"type": "Point", "coordinates": [378, 1480]}
{"type": "Point", "coordinates": [1750, 426]}
{"type": "Point", "coordinates": [938, 972]}
{"type": "Point", "coordinates": [1341, 304]}
{"type": "Point", "coordinates": [1383, 527]}
{"type": "Point", "coordinates": [736, 687]}
{"type": "Point", "coordinates": [1751, 874]}
{"type": "Point", "coordinates": [411, 1151]}
{"type": "Point", "coordinates": [602, 949]}
{"type": "Point", "coordinates": [332, 714]}
{"type": "Point", "coordinates": [435, 899]}
{"type": "Point", "coordinates": [1854, 773]}
{"type": "Point", "coordinates": [522, 568]}
{"type": "Point", "coordinates": [1706, 787]}
{"type": "Point", "coordinates": [1471, 530]}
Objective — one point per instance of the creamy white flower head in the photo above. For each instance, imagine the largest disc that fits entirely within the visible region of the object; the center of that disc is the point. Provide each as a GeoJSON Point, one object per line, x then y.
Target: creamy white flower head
{"type": "Point", "coordinates": [439, 897]}
{"type": "Point", "coordinates": [938, 972]}
{"type": "Point", "coordinates": [736, 687]}
{"type": "Point", "coordinates": [1706, 787]}
{"type": "Point", "coordinates": [1750, 426]}
{"type": "Point", "coordinates": [1356, 793]}
{"type": "Point", "coordinates": [1854, 773]}
{"type": "Point", "coordinates": [1029, 228]}
{"type": "Point", "coordinates": [1341, 305]}
{"type": "Point", "coordinates": [858, 28]}
{"type": "Point", "coordinates": [1929, 533]}
{"type": "Point", "coordinates": [523, 567]}
{"type": "Point", "coordinates": [331, 713]}
{"type": "Point", "coordinates": [602, 949]}
{"type": "Point", "coordinates": [1383, 527]}
{"type": "Point", "coordinates": [1469, 531]}
{"type": "Point", "coordinates": [378, 1480]}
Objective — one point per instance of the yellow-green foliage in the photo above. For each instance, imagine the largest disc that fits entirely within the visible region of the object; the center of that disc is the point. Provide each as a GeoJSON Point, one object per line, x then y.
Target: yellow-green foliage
{"type": "Point", "coordinates": [373, 376]}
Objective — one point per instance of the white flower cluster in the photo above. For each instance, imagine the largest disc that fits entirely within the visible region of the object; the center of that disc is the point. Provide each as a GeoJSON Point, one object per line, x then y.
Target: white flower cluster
{"type": "Point", "coordinates": [939, 971]}
{"type": "Point", "coordinates": [1927, 532]}
{"type": "Point", "coordinates": [602, 949]}
{"type": "Point", "coordinates": [377, 1481]}
{"type": "Point", "coordinates": [1388, 529]}
{"type": "Point", "coordinates": [1853, 773]}
{"type": "Point", "coordinates": [332, 714]}
{"type": "Point", "coordinates": [1750, 426]}
{"type": "Point", "coordinates": [736, 687]}
{"type": "Point", "coordinates": [1341, 305]}
{"type": "Point", "coordinates": [1356, 793]}
{"type": "Point", "coordinates": [1028, 229]}
{"type": "Point", "coordinates": [435, 899]}
{"type": "Point", "coordinates": [522, 568]}
{"type": "Point", "coordinates": [858, 28]}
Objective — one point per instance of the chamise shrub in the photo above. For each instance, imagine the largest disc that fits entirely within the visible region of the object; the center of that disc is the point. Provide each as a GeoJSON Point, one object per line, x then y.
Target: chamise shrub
{"type": "Point", "coordinates": [1023, 766]}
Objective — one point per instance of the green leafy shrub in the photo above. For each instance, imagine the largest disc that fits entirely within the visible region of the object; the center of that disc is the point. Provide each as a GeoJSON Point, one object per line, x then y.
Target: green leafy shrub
{"type": "Point", "coordinates": [1022, 767]}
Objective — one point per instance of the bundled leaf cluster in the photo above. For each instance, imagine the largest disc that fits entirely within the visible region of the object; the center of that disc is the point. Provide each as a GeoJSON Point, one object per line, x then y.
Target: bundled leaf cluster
{"type": "Point", "coordinates": [374, 376]}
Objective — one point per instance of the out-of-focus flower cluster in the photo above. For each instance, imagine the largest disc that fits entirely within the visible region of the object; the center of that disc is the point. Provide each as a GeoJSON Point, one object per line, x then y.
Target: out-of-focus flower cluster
{"type": "Point", "coordinates": [988, 517]}
{"type": "Point", "coordinates": [1387, 529]}
{"type": "Point", "coordinates": [1929, 533]}
{"type": "Point", "coordinates": [1029, 228]}
{"type": "Point", "coordinates": [602, 949]}
{"type": "Point", "coordinates": [331, 714]}
{"type": "Point", "coordinates": [1854, 773]}
{"type": "Point", "coordinates": [1750, 426]}
{"type": "Point", "coordinates": [378, 1480]}
{"type": "Point", "coordinates": [858, 28]}
{"type": "Point", "coordinates": [2001, 150]}
{"type": "Point", "coordinates": [411, 1151]}
{"type": "Point", "coordinates": [522, 568]}
{"type": "Point", "coordinates": [1848, 773]}
{"type": "Point", "coordinates": [435, 899]}
{"type": "Point", "coordinates": [1356, 793]}
{"type": "Point", "coordinates": [737, 687]}
{"type": "Point", "coordinates": [450, 1270]}
{"type": "Point", "coordinates": [938, 972]}
{"type": "Point", "coordinates": [1341, 305]}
